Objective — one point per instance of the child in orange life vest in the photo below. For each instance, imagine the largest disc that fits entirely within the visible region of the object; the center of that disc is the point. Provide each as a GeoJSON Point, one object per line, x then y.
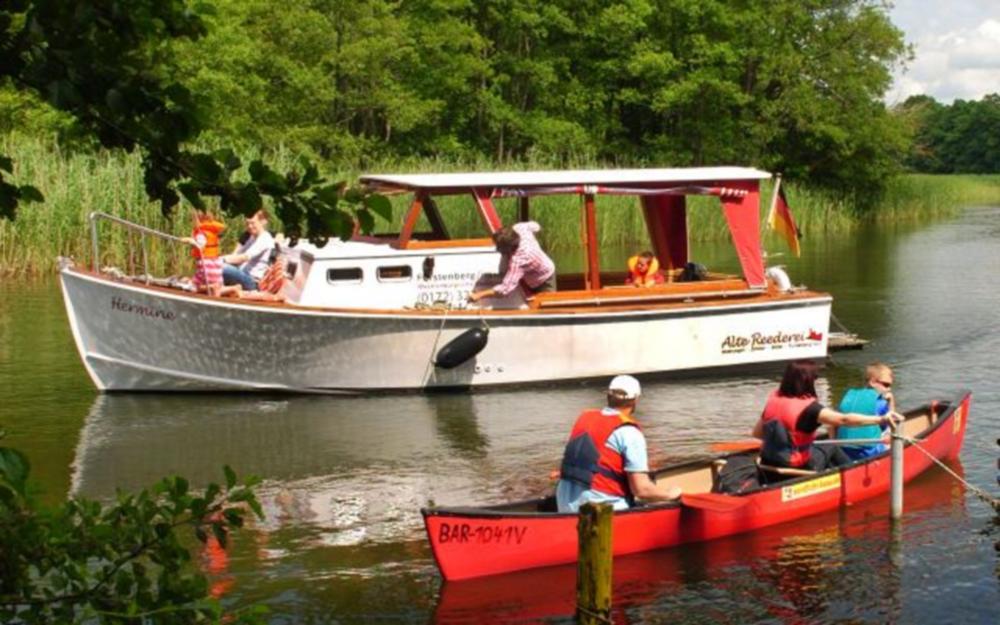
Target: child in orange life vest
{"type": "Point", "coordinates": [204, 240]}
{"type": "Point", "coordinates": [644, 270]}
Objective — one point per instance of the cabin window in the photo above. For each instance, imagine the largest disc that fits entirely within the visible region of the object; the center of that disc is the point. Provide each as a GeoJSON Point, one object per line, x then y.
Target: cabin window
{"type": "Point", "coordinates": [344, 275]}
{"type": "Point", "coordinates": [395, 273]}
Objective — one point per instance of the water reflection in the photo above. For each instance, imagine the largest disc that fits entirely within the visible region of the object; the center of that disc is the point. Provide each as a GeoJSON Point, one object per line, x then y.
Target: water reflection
{"type": "Point", "coordinates": [832, 567]}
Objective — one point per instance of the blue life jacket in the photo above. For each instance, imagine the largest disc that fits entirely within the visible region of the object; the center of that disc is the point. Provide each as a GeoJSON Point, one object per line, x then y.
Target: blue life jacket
{"type": "Point", "coordinates": [866, 401]}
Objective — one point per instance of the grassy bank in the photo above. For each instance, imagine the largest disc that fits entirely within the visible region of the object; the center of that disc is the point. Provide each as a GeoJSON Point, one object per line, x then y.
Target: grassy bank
{"type": "Point", "coordinates": [75, 183]}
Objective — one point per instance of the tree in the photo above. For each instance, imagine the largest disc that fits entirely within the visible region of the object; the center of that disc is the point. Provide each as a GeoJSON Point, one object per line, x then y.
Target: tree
{"type": "Point", "coordinates": [108, 64]}
{"type": "Point", "coordinates": [963, 137]}
{"type": "Point", "coordinates": [120, 563]}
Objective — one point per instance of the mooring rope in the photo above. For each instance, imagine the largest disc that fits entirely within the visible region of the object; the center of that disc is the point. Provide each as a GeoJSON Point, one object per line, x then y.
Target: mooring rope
{"type": "Point", "coordinates": [837, 322]}
{"type": "Point", "coordinates": [980, 493]}
{"type": "Point", "coordinates": [603, 618]}
{"type": "Point", "coordinates": [430, 359]}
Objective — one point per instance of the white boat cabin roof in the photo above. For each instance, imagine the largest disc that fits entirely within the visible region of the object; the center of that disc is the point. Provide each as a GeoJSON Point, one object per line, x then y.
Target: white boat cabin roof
{"type": "Point", "coordinates": [431, 182]}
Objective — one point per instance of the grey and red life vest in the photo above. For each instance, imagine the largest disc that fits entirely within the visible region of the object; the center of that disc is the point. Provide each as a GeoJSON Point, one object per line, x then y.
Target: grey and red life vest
{"type": "Point", "coordinates": [589, 461]}
{"type": "Point", "coordinates": [784, 445]}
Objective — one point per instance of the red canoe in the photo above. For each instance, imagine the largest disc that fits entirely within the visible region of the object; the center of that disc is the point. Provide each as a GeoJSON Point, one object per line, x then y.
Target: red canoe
{"type": "Point", "coordinates": [472, 542]}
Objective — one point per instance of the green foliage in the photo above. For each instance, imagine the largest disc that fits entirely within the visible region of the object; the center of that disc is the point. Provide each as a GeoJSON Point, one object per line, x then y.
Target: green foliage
{"type": "Point", "coordinates": [110, 66]}
{"type": "Point", "coordinates": [963, 137]}
{"type": "Point", "coordinates": [794, 86]}
{"type": "Point", "coordinates": [124, 562]}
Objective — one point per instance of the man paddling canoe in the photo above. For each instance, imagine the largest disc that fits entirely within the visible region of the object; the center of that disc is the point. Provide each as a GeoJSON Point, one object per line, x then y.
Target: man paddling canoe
{"type": "Point", "coordinates": [605, 460]}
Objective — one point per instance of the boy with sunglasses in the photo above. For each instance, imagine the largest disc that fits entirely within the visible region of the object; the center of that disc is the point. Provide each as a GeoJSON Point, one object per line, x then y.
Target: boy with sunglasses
{"type": "Point", "coordinates": [875, 398]}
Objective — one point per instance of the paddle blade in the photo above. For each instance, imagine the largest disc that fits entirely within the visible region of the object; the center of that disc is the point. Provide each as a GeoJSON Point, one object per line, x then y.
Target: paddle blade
{"type": "Point", "coordinates": [736, 446]}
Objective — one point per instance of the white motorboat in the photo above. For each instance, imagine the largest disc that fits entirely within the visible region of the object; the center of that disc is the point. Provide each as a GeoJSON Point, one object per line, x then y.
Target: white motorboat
{"type": "Point", "coordinates": [375, 312]}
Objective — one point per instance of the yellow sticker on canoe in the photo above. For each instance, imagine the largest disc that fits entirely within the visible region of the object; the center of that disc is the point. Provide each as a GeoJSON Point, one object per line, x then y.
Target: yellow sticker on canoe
{"type": "Point", "coordinates": [812, 487]}
{"type": "Point", "coordinates": [957, 420]}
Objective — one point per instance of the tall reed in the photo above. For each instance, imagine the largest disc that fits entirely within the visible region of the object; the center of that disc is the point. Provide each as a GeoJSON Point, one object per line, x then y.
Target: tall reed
{"type": "Point", "coordinates": [77, 182]}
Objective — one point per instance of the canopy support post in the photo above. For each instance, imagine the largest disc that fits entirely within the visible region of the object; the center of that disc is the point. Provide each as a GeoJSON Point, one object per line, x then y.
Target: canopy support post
{"type": "Point", "coordinates": [486, 209]}
{"type": "Point", "coordinates": [593, 262]}
{"type": "Point", "coordinates": [410, 222]}
{"type": "Point", "coordinates": [523, 211]}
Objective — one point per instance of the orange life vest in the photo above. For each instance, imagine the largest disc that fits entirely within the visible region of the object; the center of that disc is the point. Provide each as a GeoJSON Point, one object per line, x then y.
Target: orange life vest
{"type": "Point", "coordinates": [651, 277]}
{"type": "Point", "coordinates": [209, 229]}
{"type": "Point", "coordinates": [796, 445]}
{"type": "Point", "coordinates": [589, 461]}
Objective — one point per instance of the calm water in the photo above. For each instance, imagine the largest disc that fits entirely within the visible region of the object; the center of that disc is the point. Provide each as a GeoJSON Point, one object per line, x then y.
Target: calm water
{"type": "Point", "coordinates": [344, 478]}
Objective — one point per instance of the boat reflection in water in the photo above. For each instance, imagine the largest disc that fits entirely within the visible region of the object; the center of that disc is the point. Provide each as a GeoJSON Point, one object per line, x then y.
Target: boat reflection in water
{"type": "Point", "coordinates": [350, 465]}
{"type": "Point", "coordinates": [819, 568]}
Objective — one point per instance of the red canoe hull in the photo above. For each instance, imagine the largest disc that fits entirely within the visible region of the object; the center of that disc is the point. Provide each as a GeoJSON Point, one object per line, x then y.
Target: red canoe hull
{"type": "Point", "coordinates": [473, 542]}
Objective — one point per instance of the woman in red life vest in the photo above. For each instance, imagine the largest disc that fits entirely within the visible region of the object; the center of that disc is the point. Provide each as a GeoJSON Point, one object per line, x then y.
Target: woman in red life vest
{"type": "Point", "coordinates": [605, 459]}
{"type": "Point", "coordinates": [644, 270]}
{"type": "Point", "coordinates": [788, 424]}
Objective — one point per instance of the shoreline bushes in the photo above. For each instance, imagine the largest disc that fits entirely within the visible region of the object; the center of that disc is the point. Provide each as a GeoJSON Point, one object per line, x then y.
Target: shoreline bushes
{"type": "Point", "coordinates": [77, 182]}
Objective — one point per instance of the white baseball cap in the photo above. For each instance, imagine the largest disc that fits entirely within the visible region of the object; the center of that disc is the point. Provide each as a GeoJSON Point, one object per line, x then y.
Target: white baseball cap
{"type": "Point", "coordinates": [626, 384]}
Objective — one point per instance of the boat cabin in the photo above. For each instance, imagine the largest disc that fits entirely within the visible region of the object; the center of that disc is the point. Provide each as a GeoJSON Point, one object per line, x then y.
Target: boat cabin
{"type": "Point", "coordinates": [411, 269]}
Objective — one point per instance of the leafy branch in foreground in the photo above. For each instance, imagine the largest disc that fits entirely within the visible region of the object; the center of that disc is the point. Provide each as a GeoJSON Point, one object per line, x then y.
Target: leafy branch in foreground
{"type": "Point", "coordinates": [108, 64]}
{"type": "Point", "coordinates": [118, 563]}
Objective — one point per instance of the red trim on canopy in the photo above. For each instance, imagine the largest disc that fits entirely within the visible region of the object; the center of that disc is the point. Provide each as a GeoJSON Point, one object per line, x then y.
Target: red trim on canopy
{"type": "Point", "coordinates": [743, 217]}
{"type": "Point", "coordinates": [666, 220]}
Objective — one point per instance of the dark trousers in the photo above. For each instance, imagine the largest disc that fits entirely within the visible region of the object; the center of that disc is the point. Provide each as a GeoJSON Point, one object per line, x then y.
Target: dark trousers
{"type": "Point", "coordinates": [824, 457]}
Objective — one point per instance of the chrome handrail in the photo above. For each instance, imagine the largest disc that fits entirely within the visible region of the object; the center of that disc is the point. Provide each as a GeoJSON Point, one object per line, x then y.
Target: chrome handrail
{"type": "Point", "coordinates": [94, 216]}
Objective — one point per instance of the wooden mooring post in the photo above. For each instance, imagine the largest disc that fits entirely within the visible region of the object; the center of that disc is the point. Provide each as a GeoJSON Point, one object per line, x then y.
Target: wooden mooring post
{"type": "Point", "coordinates": [593, 573]}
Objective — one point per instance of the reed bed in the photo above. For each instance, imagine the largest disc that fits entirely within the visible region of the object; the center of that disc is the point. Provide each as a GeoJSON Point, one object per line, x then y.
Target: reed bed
{"type": "Point", "coordinates": [75, 183]}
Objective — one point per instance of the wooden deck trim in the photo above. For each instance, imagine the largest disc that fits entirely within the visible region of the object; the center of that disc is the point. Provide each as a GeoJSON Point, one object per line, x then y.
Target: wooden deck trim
{"type": "Point", "coordinates": [600, 298]}
{"type": "Point", "coordinates": [416, 244]}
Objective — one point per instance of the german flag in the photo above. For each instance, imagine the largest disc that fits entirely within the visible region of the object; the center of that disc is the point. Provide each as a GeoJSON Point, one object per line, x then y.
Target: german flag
{"type": "Point", "coordinates": [781, 221]}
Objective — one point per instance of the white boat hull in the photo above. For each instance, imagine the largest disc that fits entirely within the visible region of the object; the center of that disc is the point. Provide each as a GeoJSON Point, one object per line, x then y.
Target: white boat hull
{"type": "Point", "coordinates": [133, 338]}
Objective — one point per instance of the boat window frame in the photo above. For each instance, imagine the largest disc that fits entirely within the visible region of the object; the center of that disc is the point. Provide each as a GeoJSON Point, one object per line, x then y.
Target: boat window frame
{"type": "Point", "coordinates": [345, 281]}
{"type": "Point", "coordinates": [407, 269]}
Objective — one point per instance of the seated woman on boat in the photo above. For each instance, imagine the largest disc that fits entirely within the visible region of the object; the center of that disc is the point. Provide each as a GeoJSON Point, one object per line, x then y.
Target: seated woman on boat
{"type": "Point", "coordinates": [874, 398]}
{"type": "Point", "coordinates": [605, 459]}
{"type": "Point", "coordinates": [788, 424]}
{"type": "Point", "coordinates": [523, 261]}
{"type": "Point", "coordinates": [644, 270]}
{"type": "Point", "coordinates": [248, 263]}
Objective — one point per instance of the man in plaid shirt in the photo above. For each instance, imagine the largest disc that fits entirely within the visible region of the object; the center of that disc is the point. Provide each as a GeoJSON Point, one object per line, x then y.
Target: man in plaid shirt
{"type": "Point", "coordinates": [525, 262]}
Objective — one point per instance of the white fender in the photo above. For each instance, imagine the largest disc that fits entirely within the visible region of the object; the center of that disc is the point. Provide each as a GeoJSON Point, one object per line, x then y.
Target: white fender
{"type": "Point", "coordinates": [779, 277]}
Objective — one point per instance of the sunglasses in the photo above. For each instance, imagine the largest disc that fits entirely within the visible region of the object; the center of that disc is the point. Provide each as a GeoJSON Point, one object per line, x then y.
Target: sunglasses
{"type": "Point", "coordinates": [884, 383]}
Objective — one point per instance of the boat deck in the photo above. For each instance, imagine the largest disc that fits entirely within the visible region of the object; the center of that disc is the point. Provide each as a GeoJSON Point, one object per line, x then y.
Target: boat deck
{"type": "Point", "coordinates": [571, 298]}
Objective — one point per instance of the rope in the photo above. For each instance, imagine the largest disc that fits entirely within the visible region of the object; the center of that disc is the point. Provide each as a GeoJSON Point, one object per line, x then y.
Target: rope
{"type": "Point", "coordinates": [837, 322]}
{"type": "Point", "coordinates": [980, 493]}
{"type": "Point", "coordinates": [430, 359]}
{"type": "Point", "coordinates": [603, 618]}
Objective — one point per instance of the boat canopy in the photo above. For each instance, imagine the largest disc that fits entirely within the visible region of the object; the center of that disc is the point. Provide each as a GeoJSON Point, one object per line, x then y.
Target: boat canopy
{"type": "Point", "coordinates": [661, 191]}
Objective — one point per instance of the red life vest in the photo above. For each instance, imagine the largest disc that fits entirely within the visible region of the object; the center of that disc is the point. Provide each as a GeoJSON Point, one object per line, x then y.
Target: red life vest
{"type": "Point", "coordinates": [785, 411]}
{"type": "Point", "coordinates": [589, 461]}
{"type": "Point", "coordinates": [210, 229]}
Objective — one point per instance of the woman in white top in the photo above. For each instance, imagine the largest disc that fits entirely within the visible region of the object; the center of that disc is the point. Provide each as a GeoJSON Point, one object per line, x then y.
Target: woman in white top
{"type": "Point", "coordinates": [248, 262]}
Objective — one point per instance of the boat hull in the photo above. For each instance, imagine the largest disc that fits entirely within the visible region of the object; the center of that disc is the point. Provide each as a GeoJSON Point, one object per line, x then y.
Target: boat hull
{"type": "Point", "coordinates": [469, 542]}
{"type": "Point", "coordinates": [137, 338]}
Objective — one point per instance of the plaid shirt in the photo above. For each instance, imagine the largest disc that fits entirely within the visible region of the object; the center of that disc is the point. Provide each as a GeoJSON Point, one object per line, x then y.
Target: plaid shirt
{"type": "Point", "coordinates": [528, 263]}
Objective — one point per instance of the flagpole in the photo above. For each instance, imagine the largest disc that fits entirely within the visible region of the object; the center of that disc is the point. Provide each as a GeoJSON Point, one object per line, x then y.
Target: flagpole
{"type": "Point", "coordinates": [774, 201]}
{"type": "Point", "coordinates": [769, 224]}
